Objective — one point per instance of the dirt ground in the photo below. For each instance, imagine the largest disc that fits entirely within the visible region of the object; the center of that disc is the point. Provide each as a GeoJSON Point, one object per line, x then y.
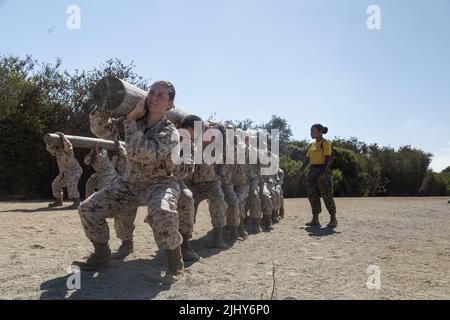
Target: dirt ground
{"type": "Point", "coordinates": [408, 239]}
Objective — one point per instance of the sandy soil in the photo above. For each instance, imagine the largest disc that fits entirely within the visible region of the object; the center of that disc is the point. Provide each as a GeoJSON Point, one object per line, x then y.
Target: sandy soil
{"type": "Point", "coordinates": [408, 239]}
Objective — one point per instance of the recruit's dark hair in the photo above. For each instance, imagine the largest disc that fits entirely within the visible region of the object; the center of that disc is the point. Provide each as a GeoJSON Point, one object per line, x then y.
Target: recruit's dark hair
{"type": "Point", "coordinates": [320, 127]}
{"type": "Point", "coordinates": [170, 87]}
{"type": "Point", "coordinates": [189, 121]}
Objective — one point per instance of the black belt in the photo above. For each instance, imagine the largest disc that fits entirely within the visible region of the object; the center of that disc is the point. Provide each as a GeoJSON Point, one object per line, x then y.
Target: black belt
{"type": "Point", "coordinates": [317, 165]}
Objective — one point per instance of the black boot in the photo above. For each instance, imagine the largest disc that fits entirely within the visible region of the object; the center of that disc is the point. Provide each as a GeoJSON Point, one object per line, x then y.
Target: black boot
{"type": "Point", "coordinates": [175, 267]}
{"type": "Point", "coordinates": [101, 256]}
{"type": "Point", "coordinates": [125, 249]}
{"type": "Point", "coordinates": [187, 252]}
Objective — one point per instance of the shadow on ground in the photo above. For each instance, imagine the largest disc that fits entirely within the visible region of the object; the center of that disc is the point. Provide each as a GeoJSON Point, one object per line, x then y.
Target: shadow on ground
{"type": "Point", "coordinates": [320, 232]}
{"type": "Point", "coordinates": [203, 245]}
{"type": "Point", "coordinates": [138, 279]}
{"type": "Point", "coordinates": [44, 209]}
{"type": "Point", "coordinates": [135, 279]}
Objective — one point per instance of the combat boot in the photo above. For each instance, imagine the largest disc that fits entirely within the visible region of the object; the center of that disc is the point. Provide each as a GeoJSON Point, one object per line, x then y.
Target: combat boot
{"type": "Point", "coordinates": [333, 221]}
{"type": "Point", "coordinates": [234, 233]}
{"type": "Point", "coordinates": [242, 231]}
{"type": "Point", "coordinates": [101, 256]}
{"type": "Point", "coordinates": [314, 222]}
{"type": "Point", "coordinates": [187, 252]}
{"type": "Point", "coordinates": [282, 212]}
{"type": "Point", "coordinates": [125, 249]}
{"type": "Point", "coordinates": [256, 225]}
{"type": "Point", "coordinates": [175, 267]}
{"type": "Point", "coordinates": [57, 203]}
{"type": "Point", "coordinates": [75, 205]}
{"type": "Point", "coordinates": [267, 223]}
{"type": "Point", "coordinates": [275, 218]}
{"type": "Point", "coordinates": [218, 242]}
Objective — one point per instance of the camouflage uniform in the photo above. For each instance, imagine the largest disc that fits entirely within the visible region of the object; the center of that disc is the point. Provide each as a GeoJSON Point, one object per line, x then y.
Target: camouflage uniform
{"type": "Point", "coordinates": [106, 127]}
{"type": "Point", "coordinates": [227, 175]}
{"type": "Point", "coordinates": [320, 188]}
{"type": "Point", "coordinates": [271, 182]}
{"type": "Point", "coordinates": [206, 185]}
{"type": "Point", "coordinates": [69, 172]}
{"type": "Point", "coordinates": [265, 196]}
{"type": "Point", "coordinates": [186, 209]}
{"type": "Point", "coordinates": [279, 178]}
{"type": "Point", "coordinates": [253, 200]}
{"type": "Point", "coordinates": [241, 189]}
{"type": "Point", "coordinates": [119, 161]}
{"type": "Point", "coordinates": [148, 181]}
{"type": "Point", "coordinates": [104, 171]}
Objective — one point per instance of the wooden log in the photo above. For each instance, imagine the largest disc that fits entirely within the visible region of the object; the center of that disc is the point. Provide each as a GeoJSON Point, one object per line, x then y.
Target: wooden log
{"type": "Point", "coordinates": [119, 97]}
{"type": "Point", "coordinates": [81, 142]}
{"type": "Point", "coordinates": [176, 115]}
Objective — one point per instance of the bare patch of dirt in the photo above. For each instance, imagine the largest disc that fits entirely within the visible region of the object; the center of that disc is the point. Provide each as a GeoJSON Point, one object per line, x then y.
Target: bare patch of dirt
{"type": "Point", "coordinates": [407, 238]}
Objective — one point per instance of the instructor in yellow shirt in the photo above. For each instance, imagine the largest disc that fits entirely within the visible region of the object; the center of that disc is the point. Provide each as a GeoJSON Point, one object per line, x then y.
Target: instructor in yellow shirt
{"type": "Point", "coordinates": [319, 180]}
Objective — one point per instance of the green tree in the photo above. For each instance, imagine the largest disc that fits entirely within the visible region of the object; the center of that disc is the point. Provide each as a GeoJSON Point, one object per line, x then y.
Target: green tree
{"type": "Point", "coordinates": [38, 98]}
{"type": "Point", "coordinates": [434, 184]}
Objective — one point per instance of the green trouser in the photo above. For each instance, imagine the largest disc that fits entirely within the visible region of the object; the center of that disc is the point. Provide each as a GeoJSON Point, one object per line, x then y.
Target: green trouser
{"type": "Point", "coordinates": [318, 188]}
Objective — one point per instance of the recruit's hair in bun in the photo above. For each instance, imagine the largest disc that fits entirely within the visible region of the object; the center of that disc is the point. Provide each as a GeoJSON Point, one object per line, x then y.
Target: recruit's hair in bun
{"type": "Point", "coordinates": [321, 128]}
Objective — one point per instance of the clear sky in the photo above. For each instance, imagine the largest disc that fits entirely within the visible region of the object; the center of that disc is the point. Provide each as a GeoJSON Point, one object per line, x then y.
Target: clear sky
{"type": "Point", "coordinates": [307, 61]}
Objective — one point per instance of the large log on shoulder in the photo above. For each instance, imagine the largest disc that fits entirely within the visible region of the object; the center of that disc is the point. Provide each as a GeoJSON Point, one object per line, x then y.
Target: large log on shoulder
{"type": "Point", "coordinates": [119, 97]}
{"type": "Point", "coordinates": [81, 142]}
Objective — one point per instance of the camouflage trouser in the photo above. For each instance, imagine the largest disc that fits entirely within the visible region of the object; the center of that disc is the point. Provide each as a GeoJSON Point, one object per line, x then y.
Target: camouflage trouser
{"type": "Point", "coordinates": [68, 180]}
{"type": "Point", "coordinates": [186, 211]}
{"type": "Point", "coordinates": [233, 205]}
{"type": "Point", "coordinates": [119, 200]}
{"type": "Point", "coordinates": [242, 195]}
{"type": "Point", "coordinates": [97, 182]}
{"type": "Point", "coordinates": [276, 200]}
{"type": "Point", "coordinates": [216, 201]}
{"type": "Point", "coordinates": [253, 200]}
{"type": "Point", "coordinates": [320, 188]}
{"type": "Point", "coordinates": [266, 199]}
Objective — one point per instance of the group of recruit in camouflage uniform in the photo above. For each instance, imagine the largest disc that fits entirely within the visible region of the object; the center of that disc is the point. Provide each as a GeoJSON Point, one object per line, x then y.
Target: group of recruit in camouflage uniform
{"type": "Point", "coordinates": [143, 173]}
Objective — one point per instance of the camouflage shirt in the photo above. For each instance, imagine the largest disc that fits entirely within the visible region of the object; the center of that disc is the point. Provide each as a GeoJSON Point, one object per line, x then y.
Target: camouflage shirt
{"type": "Point", "coordinates": [149, 151]}
{"type": "Point", "coordinates": [204, 173]}
{"type": "Point", "coordinates": [119, 161]}
{"type": "Point", "coordinates": [100, 162]}
{"type": "Point", "coordinates": [239, 176]}
{"type": "Point", "coordinates": [185, 170]}
{"type": "Point", "coordinates": [252, 170]}
{"type": "Point", "coordinates": [65, 157]}
{"type": "Point", "coordinates": [104, 126]}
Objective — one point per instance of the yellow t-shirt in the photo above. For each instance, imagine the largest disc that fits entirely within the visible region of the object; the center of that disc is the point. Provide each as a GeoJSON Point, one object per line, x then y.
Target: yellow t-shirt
{"type": "Point", "coordinates": [317, 151]}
